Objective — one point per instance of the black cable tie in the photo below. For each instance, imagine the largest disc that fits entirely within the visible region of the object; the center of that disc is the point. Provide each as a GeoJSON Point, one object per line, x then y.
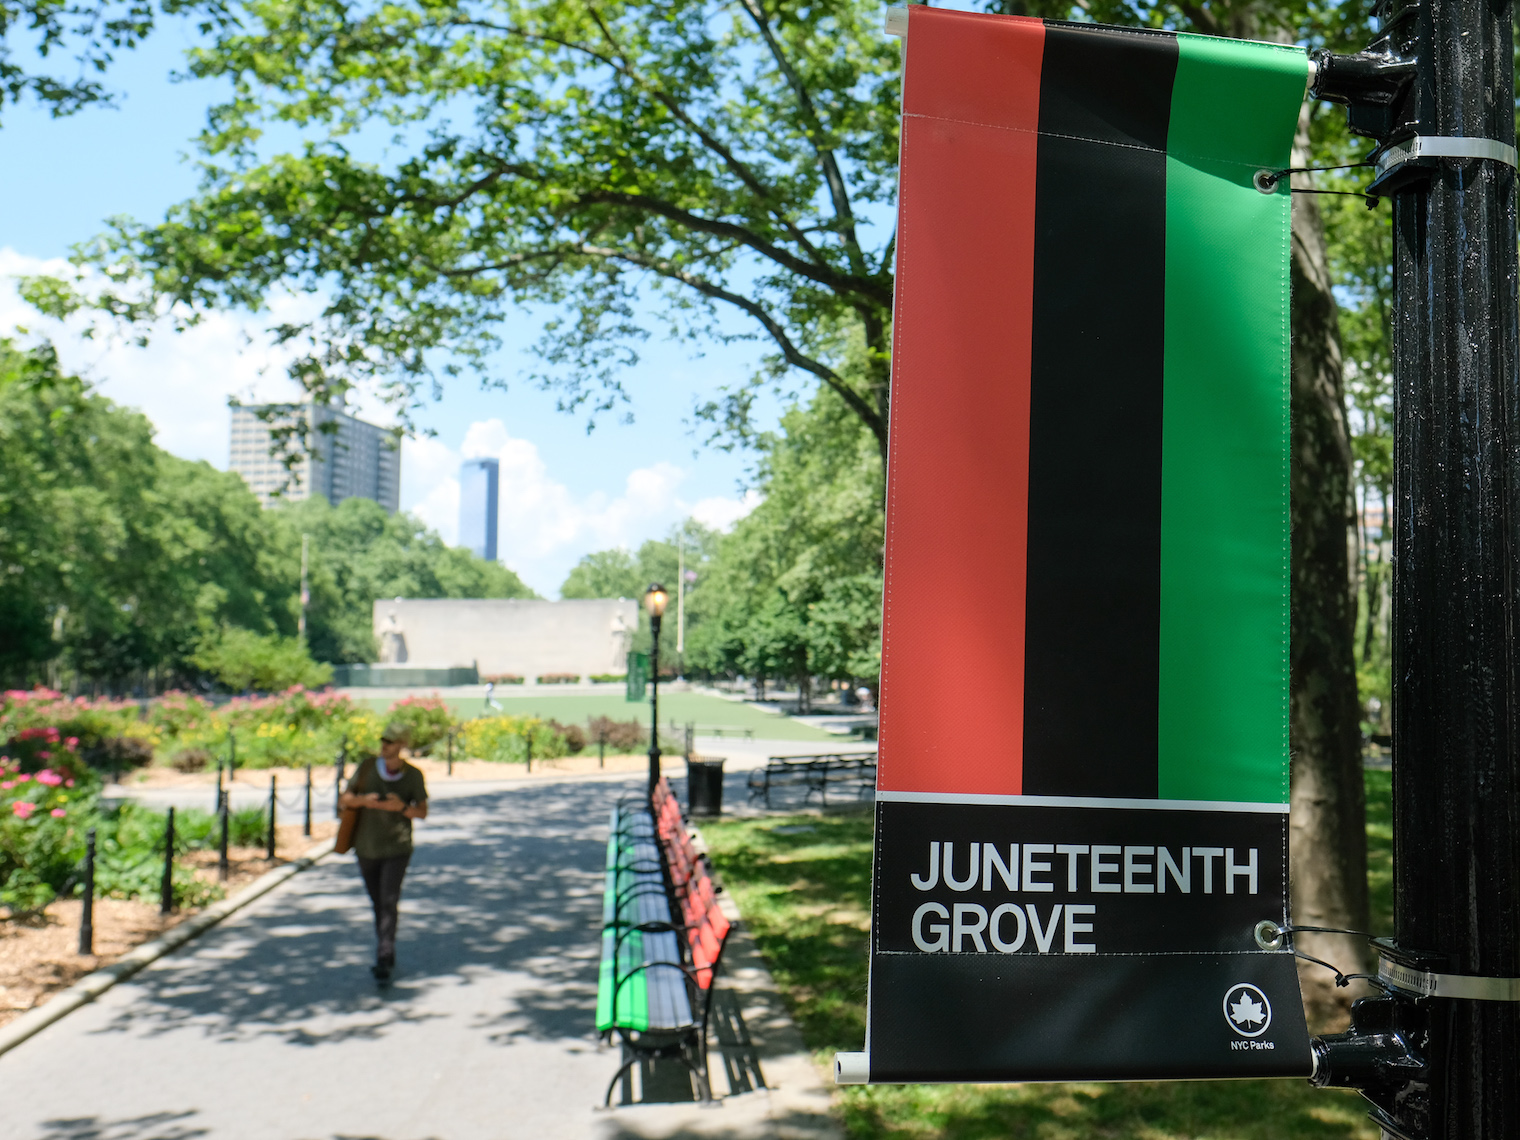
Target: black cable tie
{"type": "Point", "coordinates": [1266, 180]}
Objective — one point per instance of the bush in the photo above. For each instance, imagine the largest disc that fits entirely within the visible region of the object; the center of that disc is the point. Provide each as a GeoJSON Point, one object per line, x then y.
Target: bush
{"type": "Point", "coordinates": [559, 678]}
{"type": "Point", "coordinates": [428, 719]}
{"type": "Point", "coordinates": [191, 760]}
{"type": "Point", "coordinates": [620, 678]}
{"type": "Point", "coordinates": [120, 753]}
{"type": "Point", "coordinates": [504, 739]}
{"type": "Point", "coordinates": [501, 679]}
{"type": "Point", "coordinates": [574, 735]}
{"type": "Point", "coordinates": [240, 659]}
{"type": "Point", "coordinates": [617, 735]}
{"type": "Point", "coordinates": [43, 815]}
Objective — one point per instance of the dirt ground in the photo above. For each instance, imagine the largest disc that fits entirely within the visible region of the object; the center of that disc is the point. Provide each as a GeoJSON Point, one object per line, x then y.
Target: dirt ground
{"type": "Point", "coordinates": [290, 780]}
{"type": "Point", "coordinates": [39, 954]}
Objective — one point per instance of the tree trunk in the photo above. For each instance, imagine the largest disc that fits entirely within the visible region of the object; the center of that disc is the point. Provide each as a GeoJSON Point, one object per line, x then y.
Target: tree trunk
{"type": "Point", "coordinates": [1328, 849]}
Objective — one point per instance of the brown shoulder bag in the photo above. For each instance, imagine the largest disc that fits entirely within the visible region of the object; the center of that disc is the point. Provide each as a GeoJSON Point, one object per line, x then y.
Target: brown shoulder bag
{"type": "Point", "coordinates": [348, 819]}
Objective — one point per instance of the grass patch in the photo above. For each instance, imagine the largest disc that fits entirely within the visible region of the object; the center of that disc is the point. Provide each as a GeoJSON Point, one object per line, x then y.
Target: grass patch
{"type": "Point", "coordinates": [1380, 849]}
{"type": "Point", "coordinates": [804, 885]}
{"type": "Point", "coordinates": [698, 708]}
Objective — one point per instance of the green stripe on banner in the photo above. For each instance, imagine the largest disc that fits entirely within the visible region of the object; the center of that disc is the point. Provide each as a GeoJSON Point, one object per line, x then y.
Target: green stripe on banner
{"type": "Point", "coordinates": [1223, 723]}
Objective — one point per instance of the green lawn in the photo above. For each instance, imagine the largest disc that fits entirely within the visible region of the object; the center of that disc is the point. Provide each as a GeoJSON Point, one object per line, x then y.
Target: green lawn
{"type": "Point", "coordinates": [706, 712]}
{"type": "Point", "coordinates": [804, 885]}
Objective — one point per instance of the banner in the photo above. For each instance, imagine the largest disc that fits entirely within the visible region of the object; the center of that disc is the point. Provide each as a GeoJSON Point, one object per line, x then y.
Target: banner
{"type": "Point", "coordinates": [1083, 776]}
{"type": "Point", "coordinates": [637, 681]}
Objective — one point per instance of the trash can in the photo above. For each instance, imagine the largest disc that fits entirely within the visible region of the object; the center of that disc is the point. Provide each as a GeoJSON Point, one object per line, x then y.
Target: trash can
{"type": "Point", "coordinates": [704, 786]}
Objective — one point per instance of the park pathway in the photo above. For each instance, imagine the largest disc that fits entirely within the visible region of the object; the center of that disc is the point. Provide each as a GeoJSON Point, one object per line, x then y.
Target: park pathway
{"type": "Point", "coordinates": [270, 1028]}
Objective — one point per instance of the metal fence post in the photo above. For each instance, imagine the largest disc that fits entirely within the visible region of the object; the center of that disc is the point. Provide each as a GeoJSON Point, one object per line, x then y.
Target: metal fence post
{"type": "Point", "coordinates": [166, 888]}
{"type": "Point", "coordinates": [269, 840]}
{"type": "Point", "coordinates": [306, 827]}
{"type": "Point", "coordinates": [451, 750]}
{"type": "Point", "coordinates": [87, 913]}
{"type": "Point", "coordinates": [221, 863]}
{"type": "Point", "coordinates": [528, 744]}
{"type": "Point", "coordinates": [216, 806]}
{"type": "Point", "coordinates": [338, 777]}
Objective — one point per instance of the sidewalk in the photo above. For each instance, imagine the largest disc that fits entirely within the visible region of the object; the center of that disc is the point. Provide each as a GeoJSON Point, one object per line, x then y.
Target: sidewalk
{"type": "Point", "coordinates": [270, 1028]}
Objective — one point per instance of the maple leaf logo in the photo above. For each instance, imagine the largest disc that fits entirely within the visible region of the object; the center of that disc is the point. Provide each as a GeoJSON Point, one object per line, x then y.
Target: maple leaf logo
{"type": "Point", "coordinates": [1246, 1012]}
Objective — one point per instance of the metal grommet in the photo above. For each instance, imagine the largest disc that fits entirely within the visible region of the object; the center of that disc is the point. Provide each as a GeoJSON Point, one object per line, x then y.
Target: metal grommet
{"type": "Point", "coordinates": [1269, 936]}
{"type": "Point", "coordinates": [1266, 181]}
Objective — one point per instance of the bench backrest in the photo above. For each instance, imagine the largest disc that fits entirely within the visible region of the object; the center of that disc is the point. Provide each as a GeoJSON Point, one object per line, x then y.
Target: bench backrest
{"type": "Point", "coordinates": [706, 928]}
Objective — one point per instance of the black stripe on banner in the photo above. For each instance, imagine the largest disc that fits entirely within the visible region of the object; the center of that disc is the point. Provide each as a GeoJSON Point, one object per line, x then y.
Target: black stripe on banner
{"type": "Point", "coordinates": [1093, 610]}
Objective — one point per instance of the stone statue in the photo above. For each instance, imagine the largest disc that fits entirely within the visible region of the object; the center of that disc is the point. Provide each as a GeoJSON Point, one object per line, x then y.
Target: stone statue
{"type": "Point", "coordinates": [392, 641]}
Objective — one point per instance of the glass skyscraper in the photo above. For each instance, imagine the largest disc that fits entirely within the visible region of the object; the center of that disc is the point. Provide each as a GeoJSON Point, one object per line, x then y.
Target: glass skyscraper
{"type": "Point", "coordinates": [478, 483]}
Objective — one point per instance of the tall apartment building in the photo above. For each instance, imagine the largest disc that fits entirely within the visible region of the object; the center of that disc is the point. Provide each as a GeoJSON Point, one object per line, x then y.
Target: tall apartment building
{"type": "Point", "coordinates": [479, 488]}
{"type": "Point", "coordinates": [355, 461]}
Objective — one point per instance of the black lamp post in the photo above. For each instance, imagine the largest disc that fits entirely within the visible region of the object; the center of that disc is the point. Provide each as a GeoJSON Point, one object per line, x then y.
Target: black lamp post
{"type": "Point", "coordinates": [655, 601]}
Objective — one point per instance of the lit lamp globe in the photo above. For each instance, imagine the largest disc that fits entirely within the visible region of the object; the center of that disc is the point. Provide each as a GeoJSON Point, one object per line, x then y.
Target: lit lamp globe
{"type": "Point", "coordinates": [655, 601]}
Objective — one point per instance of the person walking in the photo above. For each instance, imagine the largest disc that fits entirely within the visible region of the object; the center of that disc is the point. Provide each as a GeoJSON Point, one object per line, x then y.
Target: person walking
{"type": "Point", "coordinates": [388, 793]}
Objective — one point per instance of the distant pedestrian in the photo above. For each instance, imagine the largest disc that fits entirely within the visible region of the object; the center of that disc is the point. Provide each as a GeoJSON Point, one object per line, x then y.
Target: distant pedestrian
{"type": "Point", "coordinates": [390, 793]}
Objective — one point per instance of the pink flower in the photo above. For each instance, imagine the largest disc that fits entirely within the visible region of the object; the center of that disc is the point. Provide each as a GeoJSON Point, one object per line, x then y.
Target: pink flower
{"type": "Point", "coordinates": [72, 742]}
{"type": "Point", "coordinates": [7, 784]}
{"type": "Point", "coordinates": [68, 783]}
{"type": "Point", "coordinates": [49, 777]}
{"type": "Point", "coordinates": [45, 754]}
{"type": "Point", "coordinates": [22, 809]}
{"type": "Point", "coordinates": [22, 778]}
{"type": "Point", "coordinates": [58, 813]}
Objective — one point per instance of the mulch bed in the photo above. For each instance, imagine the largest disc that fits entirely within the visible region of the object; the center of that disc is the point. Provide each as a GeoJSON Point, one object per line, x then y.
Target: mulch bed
{"type": "Point", "coordinates": [39, 953]}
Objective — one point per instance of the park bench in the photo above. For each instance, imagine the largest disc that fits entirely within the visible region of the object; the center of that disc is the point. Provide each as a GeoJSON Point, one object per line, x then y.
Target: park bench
{"type": "Point", "coordinates": [852, 771]}
{"type": "Point", "coordinates": [663, 935]}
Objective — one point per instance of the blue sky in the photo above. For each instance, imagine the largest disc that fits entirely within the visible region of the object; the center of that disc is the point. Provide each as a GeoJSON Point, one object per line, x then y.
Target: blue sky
{"type": "Point", "coordinates": [564, 492]}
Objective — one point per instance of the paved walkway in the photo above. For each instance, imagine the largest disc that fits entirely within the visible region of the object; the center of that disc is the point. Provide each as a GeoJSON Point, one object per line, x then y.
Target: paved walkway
{"type": "Point", "coordinates": [270, 1028]}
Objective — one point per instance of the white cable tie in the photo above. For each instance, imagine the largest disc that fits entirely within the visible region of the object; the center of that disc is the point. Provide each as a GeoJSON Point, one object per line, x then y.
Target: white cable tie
{"type": "Point", "coordinates": [897, 22]}
{"type": "Point", "coordinates": [1445, 146]}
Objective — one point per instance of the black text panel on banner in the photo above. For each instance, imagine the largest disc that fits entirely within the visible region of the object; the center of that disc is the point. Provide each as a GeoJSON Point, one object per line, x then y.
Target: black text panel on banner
{"type": "Point", "coordinates": [1083, 782]}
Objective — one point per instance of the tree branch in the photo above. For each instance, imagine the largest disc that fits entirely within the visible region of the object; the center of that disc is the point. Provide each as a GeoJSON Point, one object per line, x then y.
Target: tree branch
{"type": "Point", "coordinates": [794, 356]}
{"type": "Point", "coordinates": [623, 67]}
{"type": "Point", "coordinates": [837, 191]}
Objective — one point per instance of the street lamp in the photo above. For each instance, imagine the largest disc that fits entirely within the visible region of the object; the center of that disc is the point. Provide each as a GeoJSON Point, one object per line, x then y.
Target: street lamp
{"type": "Point", "coordinates": [655, 601]}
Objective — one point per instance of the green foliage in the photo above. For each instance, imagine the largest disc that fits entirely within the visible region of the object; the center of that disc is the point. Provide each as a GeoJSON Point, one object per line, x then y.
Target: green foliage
{"type": "Point", "coordinates": [359, 553]}
{"type": "Point", "coordinates": [605, 574]}
{"type": "Point", "coordinates": [505, 739]}
{"type": "Point", "coordinates": [120, 558]}
{"type": "Point", "coordinates": [117, 555]}
{"type": "Point", "coordinates": [803, 884]}
{"type": "Point", "coordinates": [428, 720]}
{"type": "Point", "coordinates": [87, 32]}
{"type": "Point", "coordinates": [240, 659]}
{"type": "Point", "coordinates": [720, 159]}
{"type": "Point", "coordinates": [795, 590]}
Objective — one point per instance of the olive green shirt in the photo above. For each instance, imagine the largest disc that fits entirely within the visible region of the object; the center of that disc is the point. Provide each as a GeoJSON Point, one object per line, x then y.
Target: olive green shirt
{"type": "Point", "coordinates": [385, 834]}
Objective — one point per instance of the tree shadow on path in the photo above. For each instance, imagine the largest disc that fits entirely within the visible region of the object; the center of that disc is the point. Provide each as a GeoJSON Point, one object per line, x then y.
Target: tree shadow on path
{"type": "Point", "coordinates": [505, 889]}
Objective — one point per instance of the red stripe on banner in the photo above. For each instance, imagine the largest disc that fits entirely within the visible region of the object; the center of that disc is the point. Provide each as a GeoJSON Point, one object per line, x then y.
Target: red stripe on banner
{"type": "Point", "coordinates": [952, 703]}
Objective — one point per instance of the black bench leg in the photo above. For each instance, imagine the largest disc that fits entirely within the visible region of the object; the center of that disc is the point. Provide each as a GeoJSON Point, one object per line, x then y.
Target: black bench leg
{"type": "Point", "coordinates": [617, 1076]}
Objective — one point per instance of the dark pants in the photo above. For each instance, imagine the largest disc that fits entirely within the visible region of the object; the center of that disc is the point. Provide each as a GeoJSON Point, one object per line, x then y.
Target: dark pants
{"type": "Point", "coordinates": [382, 879]}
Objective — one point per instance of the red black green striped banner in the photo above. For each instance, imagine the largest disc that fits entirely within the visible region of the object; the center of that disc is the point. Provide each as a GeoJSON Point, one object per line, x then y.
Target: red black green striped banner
{"type": "Point", "coordinates": [1088, 499]}
{"type": "Point", "coordinates": [1085, 646]}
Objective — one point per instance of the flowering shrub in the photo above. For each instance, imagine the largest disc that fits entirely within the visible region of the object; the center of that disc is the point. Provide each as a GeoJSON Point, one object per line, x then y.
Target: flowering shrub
{"type": "Point", "coordinates": [504, 739]}
{"type": "Point", "coordinates": [427, 718]}
{"type": "Point", "coordinates": [291, 728]}
{"type": "Point", "coordinates": [37, 721]}
{"type": "Point", "coordinates": [40, 836]}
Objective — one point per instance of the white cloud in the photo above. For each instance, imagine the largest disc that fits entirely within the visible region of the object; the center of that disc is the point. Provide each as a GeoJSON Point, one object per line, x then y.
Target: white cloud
{"type": "Point", "coordinates": [180, 381]}
{"type": "Point", "coordinates": [721, 514]}
{"type": "Point", "coordinates": [543, 527]}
